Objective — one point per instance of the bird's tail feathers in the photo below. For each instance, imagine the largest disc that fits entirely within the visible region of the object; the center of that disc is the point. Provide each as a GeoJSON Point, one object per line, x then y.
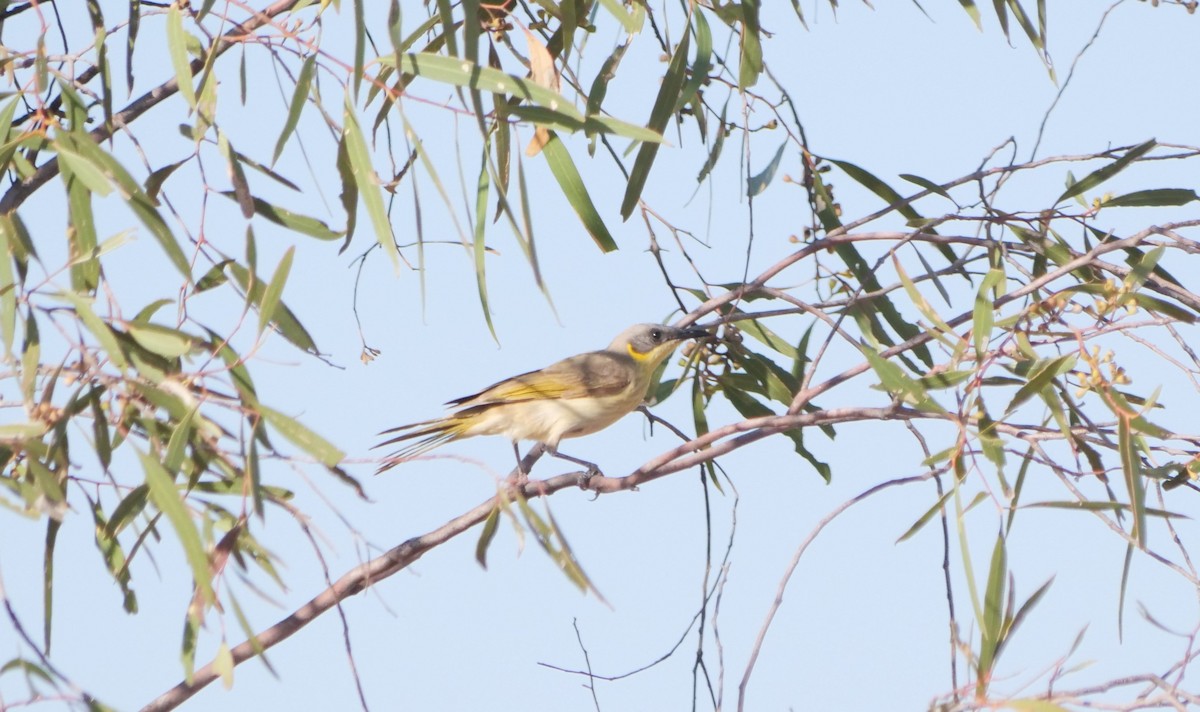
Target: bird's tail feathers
{"type": "Point", "coordinates": [425, 435]}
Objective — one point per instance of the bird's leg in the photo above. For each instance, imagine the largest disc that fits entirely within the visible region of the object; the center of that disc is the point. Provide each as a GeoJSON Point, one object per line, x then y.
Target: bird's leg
{"type": "Point", "coordinates": [522, 475]}
{"type": "Point", "coordinates": [592, 468]}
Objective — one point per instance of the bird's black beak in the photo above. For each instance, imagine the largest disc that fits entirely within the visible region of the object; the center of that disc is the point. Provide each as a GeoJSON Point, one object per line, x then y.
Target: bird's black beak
{"type": "Point", "coordinates": [693, 333]}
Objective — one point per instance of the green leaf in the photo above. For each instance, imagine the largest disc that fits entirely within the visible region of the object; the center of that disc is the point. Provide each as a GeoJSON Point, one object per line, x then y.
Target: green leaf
{"type": "Point", "coordinates": [155, 180]}
{"type": "Point", "coordinates": [52, 527]}
{"type": "Point", "coordinates": [349, 194]}
{"type": "Point", "coordinates": [222, 664]}
{"type": "Point", "coordinates": [1100, 175]}
{"type": "Point", "coordinates": [945, 379]}
{"type": "Point", "coordinates": [1142, 267]}
{"type": "Point", "coordinates": [608, 71]}
{"type": "Point", "coordinates": [924, 518]}
{"type": "Point", "coordinates": [541, 116]}
{"type": "Point", "coordinates": [1094, 506]}
{"type": "Point", "coordinates": [715, 154]}
{"type": "Point", "coordinates": [490, 525]}
{"type": "Point", "coordinates": [983, 317]}
{"type": "Point", "coordinates": [480, 247]}
{"type": "Point", "coordinates": [368, 186]}
{"type": "Point", "coordinates": [991, 625]}
{"type": "Point", "coordinates": [166, 497]}
{"type": "Point", "coordinates": [758, 183]}
{"type": "Point", "coordinates": [664, 107]}
{"type": "Point", "coordinates": [8, 296]}
{"type": "Point", "coordinates": [176, 447]}
{"type": "Point", "coordinates": [284, 319]}
{"type": "Point", "coordinates": [1123, 589]}
{"type": "Point", "coordinates": [126, 510]}
{"type": "Point", "coordinates": [1163, 307]}
{"type": "Point", "coordinates": [114, 556]}
{"type": "Point", "coordinates": [237, 176]}
{"type": "Point", "coordinates": [85, 269]}
{"type": "Point", "coordinates": [47, 481]}
{"type": "Point", "coordinates": [274, 290]}
{"type": "Point", "coordinates": [926, 184]}
{"type": "Point", "coordinates": [756, 329]}
{"type": "Point", "coordinates": [191, 636]}
{"type": "Point", "coordinates": [631, 21]}
{"type": "Point", "coordinates": [1040, 377]}
{"type": "Point", "coordinates": [177, 49]}
{"type": "Point", "coordinates": [776, 383]}
{"type": "Point", "coordinates": [283, 217]}
{"type": "Point", "coordinates": [1131, 468]}
{"type": "Point", "coordinates": [213, 278]}
{"type": "Point", "coordinates": [254, 467]}
{"type": "Point", "coordinates": [101, 330]}
{"type": "Point", "coordinates": [1155, 197]}
{"type": "Point", "coordinates": [164, 341]}
{"type": "Point", "coordinates": [703, 64]}
{"type": "Point", "coordinates": [87, 172]}
{"type": "Point", "coordinates": [564, 171]}
{"type": "Point", "coordinates": [866, 277]}
{"type": "Point", "coordinates": [463, 73]}
{"type": "Point", "coordinates": [894, 380]}
{"type": "Point", "coordinates": [142, 205]}
{"type": "Point", "coordinates": [303, 438]}
{"type": "Point", "coordinates": [751, 64]}
{"type": "Point", "coordinates": [748, 407]}
{"type": "Point", "coordinates": [10, 432]}
{"type": "Point", "coordinates": [973, 12]}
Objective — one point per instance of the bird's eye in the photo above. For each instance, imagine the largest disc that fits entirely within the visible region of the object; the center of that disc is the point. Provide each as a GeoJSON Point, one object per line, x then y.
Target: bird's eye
{"type": "Point", "coordinates": [656, 334]}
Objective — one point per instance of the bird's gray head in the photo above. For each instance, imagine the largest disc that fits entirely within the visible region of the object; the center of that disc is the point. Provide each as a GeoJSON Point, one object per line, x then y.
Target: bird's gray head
{"type": "Point", "coordinates": [652, 342]}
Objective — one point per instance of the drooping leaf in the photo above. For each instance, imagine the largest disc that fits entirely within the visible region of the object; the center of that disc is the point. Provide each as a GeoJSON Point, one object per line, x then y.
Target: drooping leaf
{"type": "Point", "coordinates": [750, 65]}
{"type": "Point", "coordinates": [302, 437]}
{"type": "Point", "coordinates": [660, 114]}
{"type": "Point", "coordinates": [274, 290]}
{"type": "Point", "coordinates": [166, 497]}
{"type": "Point", "coordinates": [177, 49]}
{"type": "Point", "coordinates": [1153, 198]}
{"type": "Point", "coordinates": [569, 180]}
{"type": "Point", "coordinates": [758, 183]}
{"type": "Point", "coordinates": [98, 327]}
{"type": "Point", "coordinates": [1100, 175]}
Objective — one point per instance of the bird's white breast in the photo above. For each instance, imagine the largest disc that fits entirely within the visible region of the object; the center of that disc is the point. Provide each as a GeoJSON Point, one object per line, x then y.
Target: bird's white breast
{"type": "Point", "coordinates": [549, 420]}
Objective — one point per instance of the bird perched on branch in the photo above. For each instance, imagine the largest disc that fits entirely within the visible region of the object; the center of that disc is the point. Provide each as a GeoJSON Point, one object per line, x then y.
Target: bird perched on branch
{"type": "Point", "coordinates": [577, 396]}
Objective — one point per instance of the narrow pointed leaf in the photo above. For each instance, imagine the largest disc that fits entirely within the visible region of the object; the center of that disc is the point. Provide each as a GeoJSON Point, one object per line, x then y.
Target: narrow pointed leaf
{"type": "Point", "coordinates": [167, 499]}
{"type": "Point", "coordinates": [1100, 175]}
{"type": "Point", "coordinates": [296, 107]}
{"type": "Point", "coordinates": [177, 49]}
{"type": "Point", "coordinates": [758, 183]}
{"type": "Point", "coordinates": [569, 180]}
{"type": "Point", "coordinates": [1155, 197]}
{"type": "Point", "coordinates": [274, 290]}
{"type": "Point", "coordinates": [368, 186]}
{"type": "Point", "coordinates": [300, 436]}
{"type": "Point", "coordinates": [664, 106]}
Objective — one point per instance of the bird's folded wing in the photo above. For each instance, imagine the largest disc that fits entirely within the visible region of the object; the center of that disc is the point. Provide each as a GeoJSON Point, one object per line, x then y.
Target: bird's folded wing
{"type": "Point", "coordinates": [594, 375]}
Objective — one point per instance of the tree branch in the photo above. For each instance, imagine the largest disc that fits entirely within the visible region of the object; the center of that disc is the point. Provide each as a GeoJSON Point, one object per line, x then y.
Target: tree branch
{"type": "Point", "coordinates": [400, 557]}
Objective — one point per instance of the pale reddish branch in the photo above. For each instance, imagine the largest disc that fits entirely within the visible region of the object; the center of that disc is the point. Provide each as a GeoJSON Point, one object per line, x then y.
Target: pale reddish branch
{"type": "Point", "coordinates": [353, 582]}
{"type": "Point", "coordinates": [359, 578]}
{"type": "Point", "coordinates": [1090, 257]}
{"type": "Point", "coordinates": [711, 445]}
{"type": "Point", "coordinates": [18, 193]}
{"type": "Point", "coordinates": [791, 569]}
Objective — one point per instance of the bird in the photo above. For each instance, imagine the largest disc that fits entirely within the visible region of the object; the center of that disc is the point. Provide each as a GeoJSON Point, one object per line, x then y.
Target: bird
{"type": "Point", "coordinates": [576, 396]}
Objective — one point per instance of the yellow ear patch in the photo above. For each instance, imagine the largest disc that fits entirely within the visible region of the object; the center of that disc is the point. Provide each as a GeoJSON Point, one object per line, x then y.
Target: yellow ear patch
{"type": "Point", "coordinates": [635, 354]}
